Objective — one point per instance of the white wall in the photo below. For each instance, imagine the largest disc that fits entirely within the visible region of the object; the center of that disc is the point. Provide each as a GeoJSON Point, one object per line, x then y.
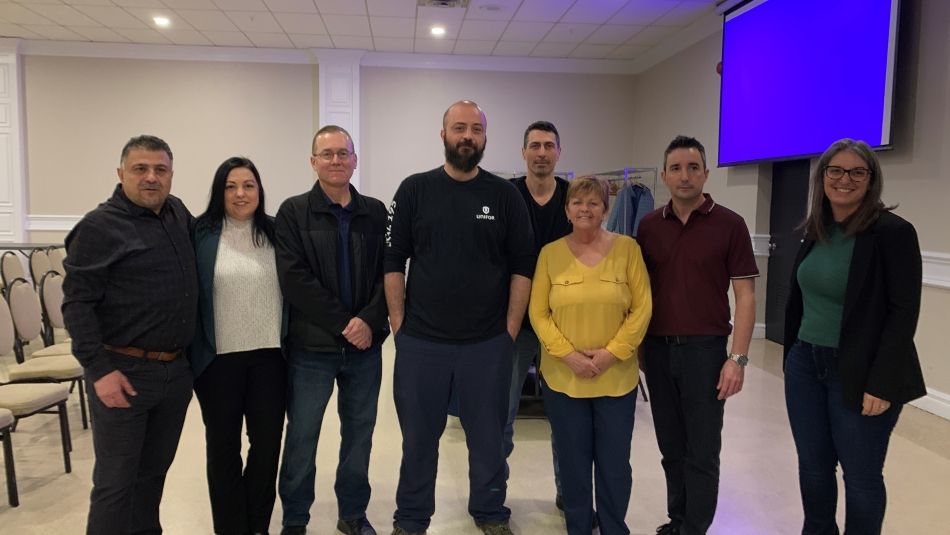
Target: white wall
{"type": "Point", "coordinates": [81, 111]}
{"type": "Point", "coordinates": [402, 115]}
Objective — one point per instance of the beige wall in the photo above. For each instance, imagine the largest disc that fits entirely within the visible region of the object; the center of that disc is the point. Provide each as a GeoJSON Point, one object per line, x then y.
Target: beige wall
{"type": "Point", "coordinates": [402, 115]}
{"type": "Point", "coordinates": [681, 95]}
{"type": "Point", "coordinates": [80, 112]}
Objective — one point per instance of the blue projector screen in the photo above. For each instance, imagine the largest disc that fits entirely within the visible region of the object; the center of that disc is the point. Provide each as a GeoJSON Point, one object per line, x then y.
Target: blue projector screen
{"type": "Point", "coordinates": [798, 75]}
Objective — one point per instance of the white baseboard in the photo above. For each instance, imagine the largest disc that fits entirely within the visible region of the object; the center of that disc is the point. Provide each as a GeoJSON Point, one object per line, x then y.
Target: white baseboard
{"type": "Point", "coordinates": [758, 331]}
{"type": "Point", "coordinates": [935, 402]}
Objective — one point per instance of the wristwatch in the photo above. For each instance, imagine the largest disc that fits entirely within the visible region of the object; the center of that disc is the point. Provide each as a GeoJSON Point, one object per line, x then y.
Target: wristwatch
{"type": "Point", "coordinates": [739, 359]}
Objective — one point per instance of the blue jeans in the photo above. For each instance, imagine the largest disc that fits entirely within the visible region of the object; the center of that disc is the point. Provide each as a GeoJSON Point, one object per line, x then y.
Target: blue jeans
{"type": "Point", "coordinates": [424, 376]}
{"type": "Point", "coordinates": [826, 433]}
{"type": "Point", "coordinates": [311, 377]}
{"type": "Point", "coordinates": [594, 433]}
{"type": "Point", "coordinates": [527, 352]}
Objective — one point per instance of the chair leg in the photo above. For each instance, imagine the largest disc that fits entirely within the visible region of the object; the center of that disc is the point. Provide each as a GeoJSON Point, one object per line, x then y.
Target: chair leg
{"type": "Point", "coordinates": [67, 440]}
{"type": "Point", "coordinates": [8, 464]}
{"type": "Point", "coordinates": [82, 405]}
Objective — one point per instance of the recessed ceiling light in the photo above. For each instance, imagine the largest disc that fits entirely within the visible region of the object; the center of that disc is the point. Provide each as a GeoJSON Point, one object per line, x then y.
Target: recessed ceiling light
{"type": "Point", "coordinates": [437, 31]}
{"type": "Point", "coordinates": [162, 22]}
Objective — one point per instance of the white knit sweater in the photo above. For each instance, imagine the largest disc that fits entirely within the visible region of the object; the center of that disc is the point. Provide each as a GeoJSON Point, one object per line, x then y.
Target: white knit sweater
{"type": "Point", "coordinates": [247, 300]}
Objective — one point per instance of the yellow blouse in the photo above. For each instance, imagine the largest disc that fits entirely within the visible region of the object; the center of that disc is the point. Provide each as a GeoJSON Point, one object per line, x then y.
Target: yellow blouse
{"type": "Point", "coordinates": [576, 307]}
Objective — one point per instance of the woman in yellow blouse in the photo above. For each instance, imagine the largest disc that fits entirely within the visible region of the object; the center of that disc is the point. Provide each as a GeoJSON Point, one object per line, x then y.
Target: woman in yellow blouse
{"type": "Point", "coordinates": [590, 306]}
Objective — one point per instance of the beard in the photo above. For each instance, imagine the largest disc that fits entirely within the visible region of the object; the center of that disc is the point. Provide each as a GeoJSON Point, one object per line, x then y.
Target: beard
{"type": "Point", "coordinates": [462, 162]}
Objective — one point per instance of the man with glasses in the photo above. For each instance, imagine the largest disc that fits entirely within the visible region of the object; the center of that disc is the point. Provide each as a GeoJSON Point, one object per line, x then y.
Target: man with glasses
{"type": "Point", "coordinates": [693, 249]}
{"type": "Point", "coordinates": [329, 263]}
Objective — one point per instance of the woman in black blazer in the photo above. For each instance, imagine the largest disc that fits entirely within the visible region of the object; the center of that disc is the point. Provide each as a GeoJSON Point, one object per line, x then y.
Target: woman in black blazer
{"type": "Point", "coordinates": [850, 361]}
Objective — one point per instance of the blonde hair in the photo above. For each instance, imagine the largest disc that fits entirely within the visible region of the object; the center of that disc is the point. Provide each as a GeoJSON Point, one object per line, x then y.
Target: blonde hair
{"type": "Point", "coordinates": [587, 184]}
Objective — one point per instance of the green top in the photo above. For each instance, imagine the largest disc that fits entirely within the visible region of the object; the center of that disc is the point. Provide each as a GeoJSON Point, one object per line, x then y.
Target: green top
{"type": "Point", "coordinates": [823, 277]}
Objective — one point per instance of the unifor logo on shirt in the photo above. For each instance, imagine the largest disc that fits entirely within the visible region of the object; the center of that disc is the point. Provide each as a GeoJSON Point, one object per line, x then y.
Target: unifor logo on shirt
{"type": "Point", "coordinates": [485, 214]}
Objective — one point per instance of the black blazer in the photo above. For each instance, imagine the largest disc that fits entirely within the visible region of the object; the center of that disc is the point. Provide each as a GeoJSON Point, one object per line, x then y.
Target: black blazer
{"type": "Point", "coordinates": [876, 353]}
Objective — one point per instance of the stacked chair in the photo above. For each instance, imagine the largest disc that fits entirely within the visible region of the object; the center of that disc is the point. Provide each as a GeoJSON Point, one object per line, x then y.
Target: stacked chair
{"type": "Point", "coordinates": [22, 400]}
{"type": "Point", "coordinates": [26, 311]}
{"type": "Point", "coordinates": [10, 268]}
{"type": "Point", "coordinates": [57, 255]}
{"type": "Point", "coordinates": [39, 265]}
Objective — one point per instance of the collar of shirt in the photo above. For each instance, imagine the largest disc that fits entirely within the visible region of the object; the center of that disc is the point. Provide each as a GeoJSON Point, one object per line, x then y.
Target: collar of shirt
{"type": "Point", "coordinates": [121, 200]}
{"type": "Point", "coordinates": [704, 208]}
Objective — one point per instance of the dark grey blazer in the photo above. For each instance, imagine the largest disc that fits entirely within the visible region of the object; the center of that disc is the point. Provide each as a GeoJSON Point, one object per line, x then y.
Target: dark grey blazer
{"type": "Point", "coordinates": [876, 353]}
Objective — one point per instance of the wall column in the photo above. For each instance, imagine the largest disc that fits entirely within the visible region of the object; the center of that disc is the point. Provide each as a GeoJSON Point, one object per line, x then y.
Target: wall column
{"type": "Point", "coordinates": [339, 103]}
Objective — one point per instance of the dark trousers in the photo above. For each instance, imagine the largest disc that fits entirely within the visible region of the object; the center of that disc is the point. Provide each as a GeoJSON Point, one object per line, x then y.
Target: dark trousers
{"type": "Point", "coordinates": [593, 433]}
{"type": "Point", "coordinates": [527, 350]}
{"type": "Point", "coordinates": [425, 374]}
{"type": "Point", "coordinates": [682, 374]}
{"type": "Point", "coordinates": [244, 387]}
{"type": "Point", "coordinates": [826, 433]}
{"type": "Point", "coordinates": [135, 446]}
{"type": "Point", "coordinates": [312, 378]}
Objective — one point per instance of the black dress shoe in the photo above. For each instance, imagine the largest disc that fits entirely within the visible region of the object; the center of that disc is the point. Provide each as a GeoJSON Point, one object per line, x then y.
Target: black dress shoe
{"type": "Point", "coordinates": [360, 526]}
{"type": "Point", "coordinates": [294, 530]}
{"type": "Point", "coordinates": [668, 529]}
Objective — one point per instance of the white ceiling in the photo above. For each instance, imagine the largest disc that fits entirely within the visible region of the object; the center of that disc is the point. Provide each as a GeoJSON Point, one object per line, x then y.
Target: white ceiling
{"type": "Point", "coordinates": [590, 29]}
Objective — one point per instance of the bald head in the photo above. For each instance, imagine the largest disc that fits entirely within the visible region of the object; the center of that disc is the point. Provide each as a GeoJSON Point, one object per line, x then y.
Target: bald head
{"type": "Point", "coordinates": [459, 106]}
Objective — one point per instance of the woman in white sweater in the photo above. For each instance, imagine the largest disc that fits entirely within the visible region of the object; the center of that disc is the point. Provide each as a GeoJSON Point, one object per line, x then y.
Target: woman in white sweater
{"type": "Point", "coordinates": [236, 358]}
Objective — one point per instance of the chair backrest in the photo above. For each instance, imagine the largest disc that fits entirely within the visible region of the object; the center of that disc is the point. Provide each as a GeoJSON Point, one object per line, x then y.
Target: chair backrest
{"type": "Point", "coordinates": [7, 333]}
{"type": "Point", "coordinates": [51, 292]}
{"type": "Point", "coordinates": [39, 265]}
{"type": "Point", "coordinates": [11, 268]}
{"type": "Point", "coordinates": [25, 309]}
{"type": "Point", "coordinates": [56, 257]}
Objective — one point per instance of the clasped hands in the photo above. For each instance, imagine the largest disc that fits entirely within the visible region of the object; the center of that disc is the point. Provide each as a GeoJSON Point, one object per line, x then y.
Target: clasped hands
{"type": "Point", "coordinates": [589, 363]}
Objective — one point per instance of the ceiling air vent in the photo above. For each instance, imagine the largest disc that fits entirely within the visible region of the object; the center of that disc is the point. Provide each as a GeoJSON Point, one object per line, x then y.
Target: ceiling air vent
{"type": "Point", "coordinates": [443, 3]}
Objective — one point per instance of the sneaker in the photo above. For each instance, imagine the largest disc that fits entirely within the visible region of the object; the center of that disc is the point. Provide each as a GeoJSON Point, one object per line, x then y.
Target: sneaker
{"type": "Point", "coordinates": [399, 531]}
{"type": "Point", "coordinates": [360, 526]}
{"type": "Point", "coordinates": [500, 528]}
{"type": "Point", "coordinates": [668, 529]}
{"type": "Point", "coordinates": [559, 503]}
{"type": "Point", "coordinates": [294, 530]}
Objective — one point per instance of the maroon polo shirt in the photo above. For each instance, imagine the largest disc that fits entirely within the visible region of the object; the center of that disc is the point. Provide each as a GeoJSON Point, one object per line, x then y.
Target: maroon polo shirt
{"type": "Point", "coordinates": [691, 267]}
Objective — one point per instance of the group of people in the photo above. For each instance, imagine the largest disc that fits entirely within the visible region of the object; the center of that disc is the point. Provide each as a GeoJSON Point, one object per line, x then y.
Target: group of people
{"type": "Point", "coordinates": [263, 317]}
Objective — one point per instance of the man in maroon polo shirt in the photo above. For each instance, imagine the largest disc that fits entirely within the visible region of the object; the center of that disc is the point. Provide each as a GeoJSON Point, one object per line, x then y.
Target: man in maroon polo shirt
{"type": "Point", "coordinates": [693, 248]}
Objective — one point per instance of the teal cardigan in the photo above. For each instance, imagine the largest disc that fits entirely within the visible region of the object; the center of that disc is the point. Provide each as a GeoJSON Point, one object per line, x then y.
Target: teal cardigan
{"type": "Point", "coordinates": [203, 347]}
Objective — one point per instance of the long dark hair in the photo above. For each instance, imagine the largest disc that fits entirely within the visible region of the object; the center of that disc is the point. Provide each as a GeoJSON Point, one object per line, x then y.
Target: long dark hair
{"type": "Point", "coordinates": [819, 220]}
{"type": "Point", "coordinates": [213, 216]}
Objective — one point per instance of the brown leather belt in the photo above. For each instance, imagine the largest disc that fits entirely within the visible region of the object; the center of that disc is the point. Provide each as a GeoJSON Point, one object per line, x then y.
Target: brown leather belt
{"type": "Point", "coordinates": [163, 356]}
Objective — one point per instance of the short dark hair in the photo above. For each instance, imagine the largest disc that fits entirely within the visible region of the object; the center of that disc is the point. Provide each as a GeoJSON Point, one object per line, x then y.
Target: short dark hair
{"type": "Point", "coordinates": [145, 142]}
{"type": "Point", "coordinates": [684, 142]}
{"type": "Point", "coordinates": [819, 219]}
{"type": "Point", "coordinates": [543, 126]}
{"type": "Point", "coordinates": [213, 216]}
{"type": "Point", "coordinates": [330, 129]}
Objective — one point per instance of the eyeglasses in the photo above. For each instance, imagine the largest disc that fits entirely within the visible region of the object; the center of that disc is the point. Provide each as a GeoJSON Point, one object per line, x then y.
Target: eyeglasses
{"type": "Point", "coordinates": [857, 174]}
{"type": "Point", "coordinates": [328, 155]}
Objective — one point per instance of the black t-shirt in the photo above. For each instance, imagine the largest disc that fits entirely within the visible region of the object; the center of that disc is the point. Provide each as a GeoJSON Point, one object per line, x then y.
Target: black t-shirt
{"type": "Point", "coordinates": [548, 222]}
{"type": "Point", "coordinates": [465, 240]}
